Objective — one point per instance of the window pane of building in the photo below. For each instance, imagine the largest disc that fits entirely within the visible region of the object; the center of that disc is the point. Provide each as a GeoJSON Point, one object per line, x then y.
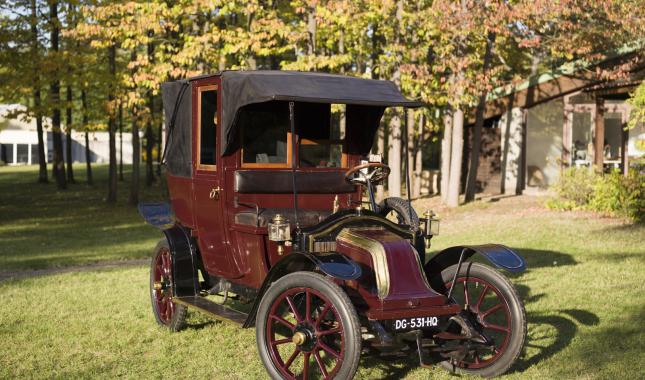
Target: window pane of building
{"type": "Point", "coordinates": [34, 154]}
{"type": "Point", "coordinates": [7, 153]}
{"type": "Point", "coordinates": [22, 153]}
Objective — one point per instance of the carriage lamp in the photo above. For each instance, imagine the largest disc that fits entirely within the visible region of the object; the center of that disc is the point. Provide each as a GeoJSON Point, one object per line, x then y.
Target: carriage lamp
{"type": "Point", "coordinates": [431, 223]}
{"type": "Point", "coordinates": [279, 231]}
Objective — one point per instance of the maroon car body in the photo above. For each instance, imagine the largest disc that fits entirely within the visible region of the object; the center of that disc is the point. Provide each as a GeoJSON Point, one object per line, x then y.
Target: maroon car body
{"type": "Point", "coordinates": [247, 150]}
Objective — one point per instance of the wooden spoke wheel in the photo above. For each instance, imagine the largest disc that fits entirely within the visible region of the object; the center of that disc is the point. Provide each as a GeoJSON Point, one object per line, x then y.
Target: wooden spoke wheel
{"type": "Point", "coordinates": [307, 328]}
{"type": "Point", "coordinates": [494, 309]}
{"type": "Point", "coordinates": [166, 312]}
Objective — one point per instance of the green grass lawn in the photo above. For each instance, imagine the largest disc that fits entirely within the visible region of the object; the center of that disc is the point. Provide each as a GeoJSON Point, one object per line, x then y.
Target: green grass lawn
{"type": "Point", "coordinates": [43, 228]}
{"type": "Point", "coordinates": [584, 293]}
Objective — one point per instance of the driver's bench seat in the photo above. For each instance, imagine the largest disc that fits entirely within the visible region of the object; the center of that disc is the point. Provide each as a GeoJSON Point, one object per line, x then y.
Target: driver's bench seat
{"type": "Point", "coordinates": [306, 218]}
{"type": "Point", "coordinates": [281, 182]}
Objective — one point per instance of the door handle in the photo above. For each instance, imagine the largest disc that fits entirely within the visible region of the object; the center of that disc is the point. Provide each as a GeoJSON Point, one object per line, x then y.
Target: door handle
{"type": "Point", "coordinates": [214, 194]}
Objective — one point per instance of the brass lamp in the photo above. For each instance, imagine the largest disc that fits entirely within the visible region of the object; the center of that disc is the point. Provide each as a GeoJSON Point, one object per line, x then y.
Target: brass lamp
{"type": "Point", "coordinates": [279, 231]}
{"type": "Point", "coordinates": [431, 223]}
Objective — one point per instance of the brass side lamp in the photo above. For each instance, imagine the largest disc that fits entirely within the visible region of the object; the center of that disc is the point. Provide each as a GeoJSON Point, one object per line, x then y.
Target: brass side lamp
{"type": "Point", "coordinates": [431, 227]}
{"type": "Point", "coordinates": [280, 232]}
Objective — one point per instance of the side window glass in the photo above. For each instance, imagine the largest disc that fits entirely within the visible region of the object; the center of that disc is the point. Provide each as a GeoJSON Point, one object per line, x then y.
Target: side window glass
{"type": "Point", "coordinates": [265, 134]}
{"type": "Point", "coordinates": [207, 125]}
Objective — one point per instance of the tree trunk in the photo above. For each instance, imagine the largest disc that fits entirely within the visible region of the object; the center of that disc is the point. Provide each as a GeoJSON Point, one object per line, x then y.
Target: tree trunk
{"type": "Point", "coordinates": [150, 138]}
{"type": "Point", "coordinates": [69, 142]}
{"type": "Point", "coordinates": [112, 178]}
{"type": "Point", "coordinates": [88, 152]}
{"type": "Point", "coordinates": [418, 157]}
{"type": "Point", "coordinates": [120, 142]}
{"type": "Point", "coordinates": [136, 154]}
{"type": "Point", "coordinates": [456, 158]}
{"type": "Point", "coordinates": [475, 151]}
{"type": "Point", "coordinates": [411, 152]}
{"type": "Point", "coordinates": [394, 136]}
{"type": "Point", "coordinates": [58, 164]}
{"type": "Point", "coordinates": [394, 155]}
{"type": "Point", "coordinates": [311, 31]}
{"type": "Point", "coordinates": [150, 141]}
{"type": "Point", "coordinates": [380, 149]}
{"type": "Point", "coordinates": [35, 50]}
{"type": "Point", "coordinates": [160, 140]}
{"type": "Point", "coordinates": [446, 149]}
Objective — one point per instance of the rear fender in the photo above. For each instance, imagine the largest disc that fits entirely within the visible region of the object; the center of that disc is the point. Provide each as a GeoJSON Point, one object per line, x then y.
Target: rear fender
{"type": "Point", "coordinates": [332, 264]}
{"type": "Point", "coordinates": [499, 255]}
{"type": "Point", "coordinates": [185, 261]}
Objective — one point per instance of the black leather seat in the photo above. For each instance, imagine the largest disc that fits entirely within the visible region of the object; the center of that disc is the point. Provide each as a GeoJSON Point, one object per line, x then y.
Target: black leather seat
{"type": "Point", "coordinates": [305, 217]}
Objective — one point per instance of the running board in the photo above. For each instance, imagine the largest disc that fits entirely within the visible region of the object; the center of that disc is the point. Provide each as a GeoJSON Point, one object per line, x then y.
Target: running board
{"type": "Point", "coordinates": [212, 309]}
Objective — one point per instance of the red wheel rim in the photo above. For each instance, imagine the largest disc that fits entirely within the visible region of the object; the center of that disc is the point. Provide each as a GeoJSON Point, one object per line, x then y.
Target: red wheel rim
{"type": "Point", "coordinates": [492, 314]}
{"type": "Point", "coordinates": [307, 312]}
{"type": "Point", "coordinates": [163, 295]}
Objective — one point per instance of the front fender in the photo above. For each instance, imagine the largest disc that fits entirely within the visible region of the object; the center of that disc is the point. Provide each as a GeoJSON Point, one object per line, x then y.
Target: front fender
{"type": "Point", "coordinates": [332, 264]}
{"type": "Point", "coordinates": [499, 255]}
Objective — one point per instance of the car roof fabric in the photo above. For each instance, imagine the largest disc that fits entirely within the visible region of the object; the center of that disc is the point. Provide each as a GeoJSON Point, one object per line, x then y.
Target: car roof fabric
{"type": "Point", "coordinates": [240, 88]}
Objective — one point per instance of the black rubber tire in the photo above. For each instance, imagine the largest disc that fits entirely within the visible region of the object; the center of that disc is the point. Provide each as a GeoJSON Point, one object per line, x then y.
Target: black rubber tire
{"type": "Point", "coordinates": [517, 313]}
{"type": "Point", "coordinates": [338, 298]}
{"type": "Point", "coordinates": [405, 214]}
{"type": "Point", "coordinates": [178, 320]}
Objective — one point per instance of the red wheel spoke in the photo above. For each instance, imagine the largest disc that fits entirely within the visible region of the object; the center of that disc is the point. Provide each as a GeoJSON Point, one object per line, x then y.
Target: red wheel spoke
{"type": "Point", "coordinates": [496, 328]}
{"type": "Point", "coordinates": [481, 297]}
{"type": "Point", "coordinates": [327, 332]}
{"type": "Point", "coordinates": [491, 311]}
{"type": "Point", "coordinates": [329, 350]}
{"type": "Point", "coordinates": [307, 305]}
{"type": "Point", "coordinates": [291, 358]}
{"type": "Point", "coordinates": [322, 315]}
{"type": "Point", "coordinates": [305, 369]}
{"type": "Point", "coordinates": [293, 309]}
{"type": "Point", "coordinates": [288, 324]}
{"type": "Point", "coordinates": [321, 365]}
{"type": "Point", "coordinates": [280, 341]}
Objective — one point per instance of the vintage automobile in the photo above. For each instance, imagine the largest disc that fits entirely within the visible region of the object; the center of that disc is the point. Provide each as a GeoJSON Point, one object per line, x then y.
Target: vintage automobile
{"type": "Point", "coordinates": [272, 207]}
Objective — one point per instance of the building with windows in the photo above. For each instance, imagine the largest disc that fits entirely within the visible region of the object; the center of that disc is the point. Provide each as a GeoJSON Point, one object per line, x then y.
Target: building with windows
{"type": "Point", "coordinates": [556, 120]}
{"type": "Point", "coordinates": [19, 141]}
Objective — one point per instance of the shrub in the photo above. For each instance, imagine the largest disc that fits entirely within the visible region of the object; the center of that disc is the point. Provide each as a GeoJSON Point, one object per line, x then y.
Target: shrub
{"type": "Point", "coordinates": [574, 189]}
{"type": "Point", "coordinates": [612, 193]}
{"type": "Point", "coordinates": [620, 195]}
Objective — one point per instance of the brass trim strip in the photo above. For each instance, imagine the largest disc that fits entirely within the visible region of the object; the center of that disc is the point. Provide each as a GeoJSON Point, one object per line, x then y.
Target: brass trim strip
{"type": "Point", "coordinates": [379, 258]}
{"type": "Point", "coordinates": [420, 266]}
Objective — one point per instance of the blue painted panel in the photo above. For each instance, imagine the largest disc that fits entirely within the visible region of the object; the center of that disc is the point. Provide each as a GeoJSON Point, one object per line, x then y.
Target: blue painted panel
{"type": "Point", "coordinates": [157, 214]}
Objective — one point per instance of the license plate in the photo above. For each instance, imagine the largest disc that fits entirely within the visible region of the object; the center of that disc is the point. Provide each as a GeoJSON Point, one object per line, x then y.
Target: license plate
{"type": "Point", "coordinates": [414, 323]}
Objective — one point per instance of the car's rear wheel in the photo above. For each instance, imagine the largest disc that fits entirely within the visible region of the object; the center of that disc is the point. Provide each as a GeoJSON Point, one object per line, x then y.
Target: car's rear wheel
{"type": "Point", "coordinates": [307, 328]}
{"type": "Point", "coordinates": [166, 312]}
{"type": "Point", "coordinates": [495, 310]}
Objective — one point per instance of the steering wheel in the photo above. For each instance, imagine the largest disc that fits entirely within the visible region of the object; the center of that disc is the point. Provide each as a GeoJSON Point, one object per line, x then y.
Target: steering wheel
{"type": "Point", "coordinates": [377, 175]}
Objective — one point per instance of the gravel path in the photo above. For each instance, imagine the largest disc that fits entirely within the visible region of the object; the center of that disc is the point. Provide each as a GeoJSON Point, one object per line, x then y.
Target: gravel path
{"type": "Point", "coordinates": [7, 275]}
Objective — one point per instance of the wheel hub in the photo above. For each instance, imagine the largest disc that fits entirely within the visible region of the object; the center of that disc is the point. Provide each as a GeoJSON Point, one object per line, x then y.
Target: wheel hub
{"type": "Point", "coordinates": [304, 337]}
{"type": "Point", "coordinates": [299, 338]}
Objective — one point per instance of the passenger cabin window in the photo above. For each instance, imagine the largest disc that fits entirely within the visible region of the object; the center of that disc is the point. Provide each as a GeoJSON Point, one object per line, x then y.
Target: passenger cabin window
{"type": "Point", "coordinates": [207, 125]}
{"type": "Point", "coordinates": [265, 135]}
{"type": "Point", "coordinates": [266, 139]}
{"type": "Point", "coordinates": [321, 133]}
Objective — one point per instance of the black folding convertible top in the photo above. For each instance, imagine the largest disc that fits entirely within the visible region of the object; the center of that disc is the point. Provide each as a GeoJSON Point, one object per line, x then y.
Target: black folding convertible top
{"type": "Point", "coordinates": [366, 100]}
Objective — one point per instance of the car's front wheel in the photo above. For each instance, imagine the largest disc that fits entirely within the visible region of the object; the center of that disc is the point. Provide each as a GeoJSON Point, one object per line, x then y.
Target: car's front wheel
{"type": "Point", "coordinates": [307, 328]}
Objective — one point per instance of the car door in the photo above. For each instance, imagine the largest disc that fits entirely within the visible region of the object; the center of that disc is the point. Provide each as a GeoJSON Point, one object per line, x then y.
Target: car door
{"type": "Point", "coordinates": [207, 180]}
